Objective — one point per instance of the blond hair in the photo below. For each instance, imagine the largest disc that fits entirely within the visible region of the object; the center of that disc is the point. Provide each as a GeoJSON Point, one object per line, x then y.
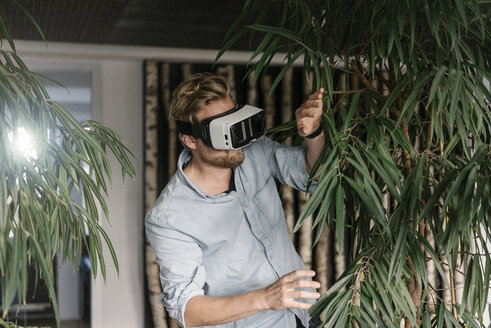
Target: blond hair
{"type": "Point", "coordinates": [195, 93]}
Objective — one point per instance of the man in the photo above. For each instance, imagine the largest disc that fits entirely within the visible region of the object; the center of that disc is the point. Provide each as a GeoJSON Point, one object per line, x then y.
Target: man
{"type": "Point", "coordinates": [218, 228]}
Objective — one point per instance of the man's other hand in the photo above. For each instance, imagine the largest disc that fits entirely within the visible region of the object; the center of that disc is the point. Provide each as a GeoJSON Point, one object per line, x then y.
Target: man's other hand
{"type": "Point", "coordinates": [282, 293]}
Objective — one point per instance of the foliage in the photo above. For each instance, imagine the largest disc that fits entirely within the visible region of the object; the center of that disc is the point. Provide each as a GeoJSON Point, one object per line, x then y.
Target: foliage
{"type": "Point", "coordinates": [406, 168]}
{"type": "Point", "coordinates": [38, 216]}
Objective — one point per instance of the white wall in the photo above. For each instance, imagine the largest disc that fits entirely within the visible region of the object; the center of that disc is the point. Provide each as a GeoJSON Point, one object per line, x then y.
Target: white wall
{"type": "Point", "coordinates": [117, 102]}
{"type": "Point", "coordinates": [119, 302]}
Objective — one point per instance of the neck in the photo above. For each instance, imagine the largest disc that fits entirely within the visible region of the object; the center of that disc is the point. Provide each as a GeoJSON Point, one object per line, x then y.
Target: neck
{"type": "Point", "coordinates": [212, 180]}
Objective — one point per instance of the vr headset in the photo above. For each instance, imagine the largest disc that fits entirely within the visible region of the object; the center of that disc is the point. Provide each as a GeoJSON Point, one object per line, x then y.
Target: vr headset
{"type": "Point", "coordinates": [232, 129]}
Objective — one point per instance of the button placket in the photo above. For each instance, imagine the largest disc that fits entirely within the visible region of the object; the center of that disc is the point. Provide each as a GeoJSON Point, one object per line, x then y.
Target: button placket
{"type": "Point", "coordinates": [255, 227]}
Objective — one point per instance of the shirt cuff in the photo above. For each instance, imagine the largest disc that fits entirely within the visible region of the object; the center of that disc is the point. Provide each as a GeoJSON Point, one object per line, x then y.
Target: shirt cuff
{"type": "Point", "coordinates": [302, 168]}
{"type": "Point", "coordinates": [194, 288]}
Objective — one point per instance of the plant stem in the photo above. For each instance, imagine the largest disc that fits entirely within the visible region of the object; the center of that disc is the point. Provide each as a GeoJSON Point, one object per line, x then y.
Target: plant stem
{"type": "Point", "coordinates": [363, 79]}
{"type": "Point", "coordinates": [450, 272]}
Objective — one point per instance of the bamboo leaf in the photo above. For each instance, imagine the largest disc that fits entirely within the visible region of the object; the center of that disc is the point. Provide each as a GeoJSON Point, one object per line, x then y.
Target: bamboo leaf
{"type": "Point", "coordinates": [396, 92]}
{"type": "Point", "coordinates": [383, 174]}
{"type": "Point", "coordinates": [275, 30]}
{"type": "Point", "coordinates": [436, 82]}
{"type": "Point", "coordinates": [369, 205]}
{"type": "Point", "coordinates": [351, 112]}
{"type": "Point", "coordinates": [399, 255]}
{"type": "Point", "coordinates": [290, 61]}
{"type": "Point", "coordinates": [111, 248]}
{"type": "Point", "coordinates": [434, 257]}
{"type": "Point", "coordinates": [437, 193]}
{"type": "Point", "coordinates": [367, 307]}
{"type": "Point", "coordinates": [455, 96]}
{"type": "Point", "coordinates": [487, 277]}
{"type": "Point", "coordinates": [46, 272]}
{"type": "Point", "coordinates": [314, 199]}
{"type": "Point", "coordinates": [340, 215]}
{"type": "Point", "coordinates": [339, 309]}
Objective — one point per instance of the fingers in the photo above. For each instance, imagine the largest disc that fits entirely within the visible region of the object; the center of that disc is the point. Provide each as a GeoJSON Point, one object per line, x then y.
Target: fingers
{"type": "Point", "coordinates": [309, 108]}
{"type": "Point", "coordinates": [312, 107]}
{"type": "Point", "coordinates": [305, 294]}
{"type": "Point", "coordinates": [294, 280]}
{"type": "Point", "coordinates": [301, 305]}
{"type": "Point", "coordinates": [304, 283]}
{"type": "Point", "coordinates": [317, 94]}
{"type": "Point", "coordinates": [293, 297]}
{"type": "Point", "coordinates": [312, 103]}
{"type": "Point", "coordinates": [290, 289]}
{"type": "Point", "coordinates": [300, 273]}
{"type": "Point", "coordinates": [308, 112]}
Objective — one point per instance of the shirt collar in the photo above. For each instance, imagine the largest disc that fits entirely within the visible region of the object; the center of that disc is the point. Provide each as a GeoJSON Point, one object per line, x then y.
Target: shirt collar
{"type": "Point", "coordinates": [184, 159]}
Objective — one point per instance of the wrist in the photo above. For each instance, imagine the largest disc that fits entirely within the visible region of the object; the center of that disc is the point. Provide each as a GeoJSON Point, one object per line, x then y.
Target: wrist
{"type": "Point", "coordinates": [316, 133]}
{"type": "Point", "coordinates": [260, 299]}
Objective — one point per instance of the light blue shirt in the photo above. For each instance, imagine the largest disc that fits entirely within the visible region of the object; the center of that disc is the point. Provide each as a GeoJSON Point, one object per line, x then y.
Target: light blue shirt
{"type": "Point", "coordinates": [230, 243]}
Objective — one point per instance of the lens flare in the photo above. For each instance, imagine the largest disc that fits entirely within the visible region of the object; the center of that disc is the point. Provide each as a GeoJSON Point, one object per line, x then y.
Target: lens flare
{"type": "Point", "coordinates": [23, 143]}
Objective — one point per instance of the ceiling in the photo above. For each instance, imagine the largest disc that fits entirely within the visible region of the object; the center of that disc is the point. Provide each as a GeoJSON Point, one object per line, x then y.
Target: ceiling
{"type": "Point", "coordinates": [156, 23]}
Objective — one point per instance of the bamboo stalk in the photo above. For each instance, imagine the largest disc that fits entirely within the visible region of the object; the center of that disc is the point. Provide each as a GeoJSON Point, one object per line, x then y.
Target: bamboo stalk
{"type": "Point", "coordinates": [172, 140]}
{"type": "Point", "coordinates": [287, 195]}
{"type": "Point", "coordinates": [151, 189]}
{"type": "Point", "coordinates": [413, 287]}
{"type": "Point", "coordinates": [305, 239]}
{"type": "Point", "coordinates": [322, 260]}
{"type": "Point", "coordinates": [172, 135]}
{"type": "Point", "coordinates": [251, 90]}
{"type": "Point", "coordinates": [227, 72]}
{"type": "Point", "coordinates": [269, 105]}
{"type": "Point", "coordinates": [450, 272]}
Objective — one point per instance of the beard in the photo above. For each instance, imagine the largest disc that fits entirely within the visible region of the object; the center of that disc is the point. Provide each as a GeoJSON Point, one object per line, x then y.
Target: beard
{"type": "Point", "coordinates": [219, 158]}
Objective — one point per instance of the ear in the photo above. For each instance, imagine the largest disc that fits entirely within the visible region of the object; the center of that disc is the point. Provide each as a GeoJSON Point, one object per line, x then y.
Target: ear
{"type": "Point", "coordinates": [188, 141]}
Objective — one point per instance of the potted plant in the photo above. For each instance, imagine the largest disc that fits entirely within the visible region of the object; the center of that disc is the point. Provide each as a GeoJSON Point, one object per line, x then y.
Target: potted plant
{"type": "Point", "coordinates": [406, 168]}
{"type": "Point", "coordinates": [38, 217]}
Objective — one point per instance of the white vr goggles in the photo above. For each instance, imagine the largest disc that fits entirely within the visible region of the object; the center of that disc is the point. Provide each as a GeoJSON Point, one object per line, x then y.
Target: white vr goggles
{"type": "Point", "coordinates": [232, 129]}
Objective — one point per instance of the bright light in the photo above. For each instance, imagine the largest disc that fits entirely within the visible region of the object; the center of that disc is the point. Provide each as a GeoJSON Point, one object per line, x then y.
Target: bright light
{"type": "Point", "coordinates": [23, 143]}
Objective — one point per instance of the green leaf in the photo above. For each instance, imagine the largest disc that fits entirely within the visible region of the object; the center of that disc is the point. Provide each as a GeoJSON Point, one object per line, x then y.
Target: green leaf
{"type": "Point", "coordinates": [398, 257]}
{"type": "Point", "coordinates": [275, 30]}
{"type": "Point", "coordinates": [454, 98]}
{"type": "Point", "coordinates": [351, 112]}
{"type": "Point", "coordinates": [290, 61]}
{"type": "Point", "coordinates": [367, 307]}
{"type": "Point", "coordinates": [372, 156]}
{"type": "Point", "coordinates": [396, 92]}
{"type": "Point", "coordinates": [436, 260]}
{"type": "Point", "coordinates": [438, 192]}
{"type": "Point", "coordinates": [398, 137]}
{"type": "Point", "coordinates": [315, 199]}
{"type": "Point", "coordinates": [487, 277]}
{"type": "Point", "coordinates": [3, 202]}
{"type": "Point", "coordinates": [46, 272]}
{"type": "Point", "coordinates": [372, 208]}
{"type": "Point", "coordinates": [111, 248]}
{"type": "Point", "coordinates": [231, 41]}
{"type": "Point", "coordinates": [340, 215]}
{"type": "Point", "coordinates": [435, 85]}
{"type": "Point", "coordinates": [343, 302]}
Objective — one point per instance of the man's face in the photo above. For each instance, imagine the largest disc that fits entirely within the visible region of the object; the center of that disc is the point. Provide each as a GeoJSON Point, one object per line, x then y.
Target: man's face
{"type": "Point", "coordinates": [215, 157]}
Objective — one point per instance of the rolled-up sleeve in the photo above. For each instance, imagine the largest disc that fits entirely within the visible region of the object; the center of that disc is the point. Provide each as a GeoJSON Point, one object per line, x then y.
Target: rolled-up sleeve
{"type": "Point", "coordinates": [287, 164]}
{"type": "Point", "coordinates": [182, 274]}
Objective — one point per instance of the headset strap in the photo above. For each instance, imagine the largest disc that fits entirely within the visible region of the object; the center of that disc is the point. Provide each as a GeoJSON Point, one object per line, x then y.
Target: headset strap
{"type": "Point", "coordinates": [189, 129]}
